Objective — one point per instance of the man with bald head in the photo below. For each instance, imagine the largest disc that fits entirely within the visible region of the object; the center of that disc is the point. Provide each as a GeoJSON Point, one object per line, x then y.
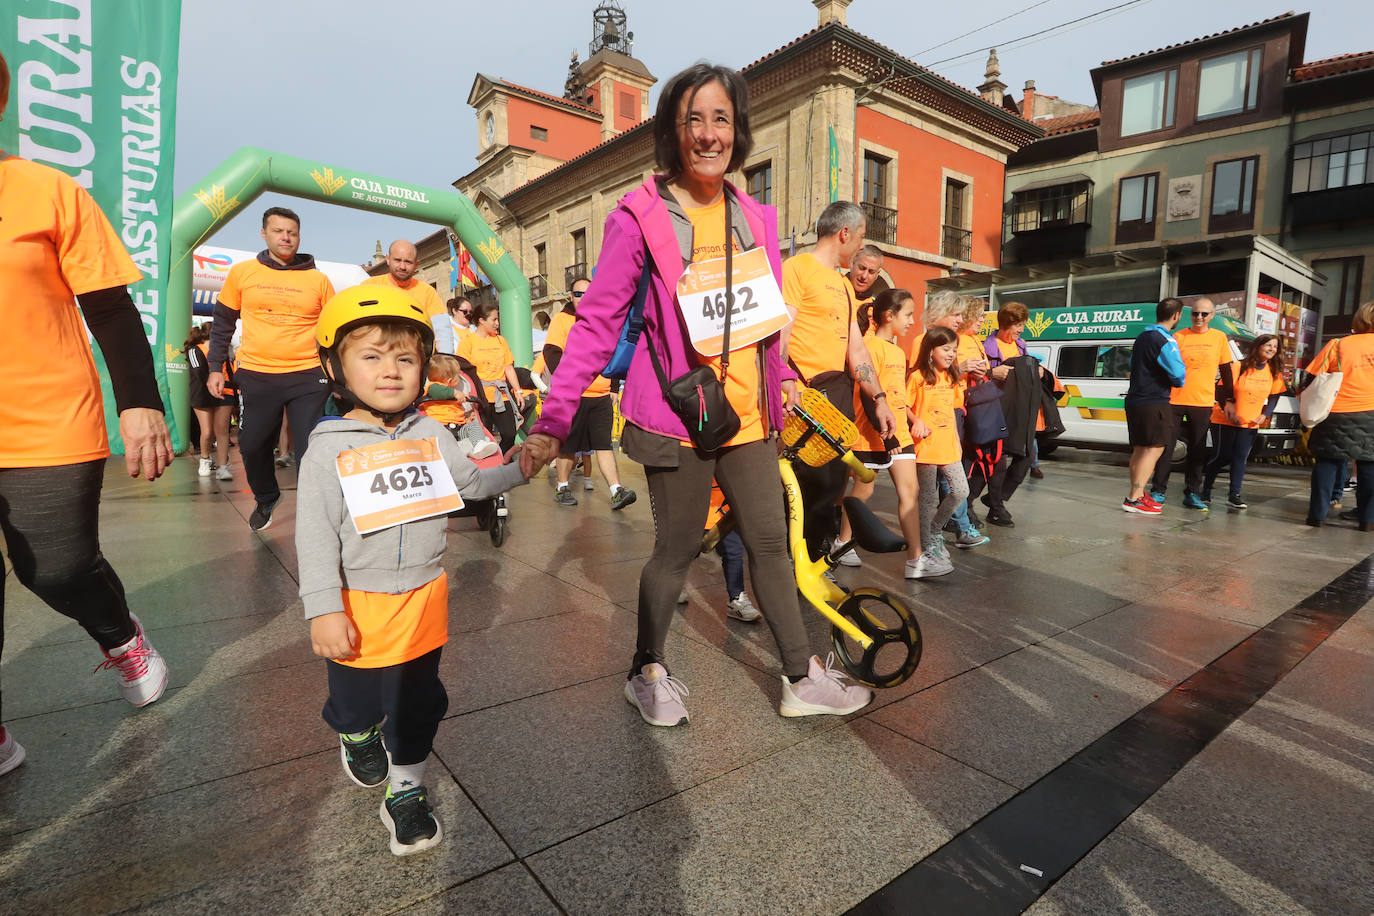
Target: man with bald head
{"type": "Point", "coordinates": [401, 261]}
{"type": "Point", "coordinates": [864, 273]}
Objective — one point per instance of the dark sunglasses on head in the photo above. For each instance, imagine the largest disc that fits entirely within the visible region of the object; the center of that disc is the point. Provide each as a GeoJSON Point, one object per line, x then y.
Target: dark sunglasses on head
{"type": "Point", "coordinates": [579, 293]}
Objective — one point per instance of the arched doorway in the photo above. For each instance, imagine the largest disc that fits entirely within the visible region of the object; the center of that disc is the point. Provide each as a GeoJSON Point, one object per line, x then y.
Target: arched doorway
{"type": "Point", "coordinates": [238, 181]}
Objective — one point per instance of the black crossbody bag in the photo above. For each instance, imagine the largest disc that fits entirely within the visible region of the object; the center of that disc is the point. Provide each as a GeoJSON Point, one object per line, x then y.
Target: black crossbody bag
{"type": "Point", "coordinates": [698, 397]}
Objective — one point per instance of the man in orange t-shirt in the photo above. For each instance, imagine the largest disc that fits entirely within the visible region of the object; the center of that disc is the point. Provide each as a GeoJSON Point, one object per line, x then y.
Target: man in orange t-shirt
{"type": "Point", "coordinates": [591, 425]}
{"type": "Point", "coordinates": [825, 346]}
{"type": "Point", "coordinates": [279, 296]}
{"type": "Point", "coordinates": [1205, 350]}
{"type": "Point", "coordinates": [401, 261]}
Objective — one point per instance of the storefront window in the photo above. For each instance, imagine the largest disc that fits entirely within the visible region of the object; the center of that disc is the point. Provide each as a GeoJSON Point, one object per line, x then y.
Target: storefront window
{"type": "Point", "coordinates": [1040, 295]}
{"type": "Point", "coordinates": [1116, 289]}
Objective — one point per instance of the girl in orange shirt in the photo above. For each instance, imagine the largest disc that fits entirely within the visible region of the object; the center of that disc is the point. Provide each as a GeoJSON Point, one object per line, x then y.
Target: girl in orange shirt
{"type": "Point", "coordinates": [488, 351]}
{"type": "Point", "coordinates": [1246, 397]}
{"type": "Point", "coordinates": [934, 392]}
{"type": "Point", "coordinates": [893, 313]}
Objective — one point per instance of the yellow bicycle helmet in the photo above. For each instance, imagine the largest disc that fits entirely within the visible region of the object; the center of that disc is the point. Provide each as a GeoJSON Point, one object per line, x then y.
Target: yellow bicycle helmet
{"type": "Point", "coordinates": [359, 305]}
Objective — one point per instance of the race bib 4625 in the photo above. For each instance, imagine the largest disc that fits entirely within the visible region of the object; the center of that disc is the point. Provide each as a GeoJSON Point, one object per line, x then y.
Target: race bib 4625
{"type": "Point", "coordinates": [391, 483]}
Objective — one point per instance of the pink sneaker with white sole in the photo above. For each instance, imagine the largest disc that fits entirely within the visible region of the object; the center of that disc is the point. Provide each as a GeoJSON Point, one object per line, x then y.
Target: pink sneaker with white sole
{"type": "Point", "coordinates": [142, 672]}
{"type": "Point", "coordinates": [822, 692]}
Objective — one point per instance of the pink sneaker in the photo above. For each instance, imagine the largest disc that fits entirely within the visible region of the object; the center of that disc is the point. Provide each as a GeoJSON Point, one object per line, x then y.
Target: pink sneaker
{"type": "Point", "coordinates": [657, 696]}
{"type": "Point", "coordinates": [822, 692]}
{"type": "Point", "coordinates": [11, 751]}
{"type": "Point", "coordinates": [142, 672]}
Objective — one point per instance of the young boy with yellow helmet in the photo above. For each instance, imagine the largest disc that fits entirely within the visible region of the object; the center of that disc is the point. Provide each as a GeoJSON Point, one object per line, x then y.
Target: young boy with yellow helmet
{"type": "Point", "coordinates": [375, 488]}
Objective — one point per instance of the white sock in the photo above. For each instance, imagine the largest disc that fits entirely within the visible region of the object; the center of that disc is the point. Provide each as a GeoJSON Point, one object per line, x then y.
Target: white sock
{"type": "Point", "coordinates": [562, 485]}
{"type": "Point", "coordinates": [405, 778]}
{"type": "Point", "coordinates": [616, 488]}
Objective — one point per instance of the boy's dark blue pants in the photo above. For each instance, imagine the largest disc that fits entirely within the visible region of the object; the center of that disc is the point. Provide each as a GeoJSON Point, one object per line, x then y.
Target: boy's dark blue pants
{"type": "Point", "coordinates": [409, 696]}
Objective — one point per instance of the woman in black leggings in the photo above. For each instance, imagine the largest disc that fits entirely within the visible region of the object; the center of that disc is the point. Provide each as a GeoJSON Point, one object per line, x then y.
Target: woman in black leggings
{"type": "Point", "coordinates": [60, 251]}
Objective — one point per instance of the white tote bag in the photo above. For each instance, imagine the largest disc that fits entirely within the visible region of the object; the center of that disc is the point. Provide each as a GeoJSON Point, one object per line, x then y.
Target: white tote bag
{"type": "Point", "coordinates": [1314, 404]}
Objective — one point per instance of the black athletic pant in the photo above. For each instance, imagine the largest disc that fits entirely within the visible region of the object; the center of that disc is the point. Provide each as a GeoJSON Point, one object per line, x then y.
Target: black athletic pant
{"type": "Point", "coordinates": [409, 697]}
{"type": "Point", "coordinates": [822, 487]}
{"type": "Point", "coordinates": [1190, 426]}
{"type": "Point", "coordinates": [51, 520]}
{"type": "Point", "coordinates": [263, 396]}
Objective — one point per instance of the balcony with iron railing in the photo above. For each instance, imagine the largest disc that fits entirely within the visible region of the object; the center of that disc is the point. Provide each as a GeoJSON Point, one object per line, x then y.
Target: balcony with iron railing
{"type": "Point", "coordinates": [882, 223]}
{"type": "Point", "coordinates": [957, 243]}
{"type": "Point", "coordinates": [539, 287]}
{"type": "Point", "coordinates": [573, 273]}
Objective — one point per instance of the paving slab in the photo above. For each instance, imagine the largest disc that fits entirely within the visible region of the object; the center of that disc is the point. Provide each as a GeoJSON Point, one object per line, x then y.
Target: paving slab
{"type": "Point", "coordinates": [806, 830]}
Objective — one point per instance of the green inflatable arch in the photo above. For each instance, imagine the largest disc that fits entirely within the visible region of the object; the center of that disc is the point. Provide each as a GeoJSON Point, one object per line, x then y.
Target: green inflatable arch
{"type": "Point", "coordinates": [238, 181]}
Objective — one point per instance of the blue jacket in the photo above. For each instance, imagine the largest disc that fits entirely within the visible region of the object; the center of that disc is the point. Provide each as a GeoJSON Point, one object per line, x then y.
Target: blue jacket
{"type": "Point", "coordinates": [1156, 367]}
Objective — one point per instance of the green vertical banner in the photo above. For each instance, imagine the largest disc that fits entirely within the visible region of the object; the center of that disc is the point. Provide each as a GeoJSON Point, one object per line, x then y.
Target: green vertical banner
{"type": "Point", "coordinates": [834, 168]}
{"type": "Point", "coordinates": [94, 94]}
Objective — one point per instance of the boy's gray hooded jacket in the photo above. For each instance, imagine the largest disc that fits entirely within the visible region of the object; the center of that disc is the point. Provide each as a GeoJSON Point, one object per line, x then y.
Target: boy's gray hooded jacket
{"type": "Point", "coordinates": [329, 551]}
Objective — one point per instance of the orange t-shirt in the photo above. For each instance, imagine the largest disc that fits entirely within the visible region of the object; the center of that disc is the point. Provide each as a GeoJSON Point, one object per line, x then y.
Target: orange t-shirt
{"type": "Point", "coordinates": [935, 405]}
{"type": "Point", "coordinates": [491, 356]}
{"type": "Point", "coordinates": [1253, 388]}
{"type": "Point", "coordinates": [1203, 352]}
{"type": "Point", "coordinates": [1357, 364]}
{"type": "Point", "coordinates": [824, 305]}
{"type": "Point", "coordinates": [559, 327]}
{"type": "Point", "coordinates": [742, 375]}
{"type": "Point", "coordinates": [890, 363]}
{"type": "Point", "coordinates": [397, 628]}
{"type": "Point", "coordinates": [969, 348]}
{"type": "Point", "coordinates": [204, 349]}
{"type": "Point", "coordinates": [423, 294]}
{"type": "Point", "coordinates": [279, 310]}
{"type": "Point", "coordinates": [1007, 350]}
{"type": "Point", "coordinates": [55, 244]}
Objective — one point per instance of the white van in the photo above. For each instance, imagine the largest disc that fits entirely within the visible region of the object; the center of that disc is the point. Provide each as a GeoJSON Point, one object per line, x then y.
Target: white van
{"type": "Point", "coordinates": [1090, 351]}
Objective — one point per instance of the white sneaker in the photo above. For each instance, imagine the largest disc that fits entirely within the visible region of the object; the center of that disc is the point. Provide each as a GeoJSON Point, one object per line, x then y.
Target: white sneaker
{"type": "Point", "coordinates": [11, 753]}
{"type": "Point", "coordinates": [224, 472]}
{"type": "Point", "coordinates": [682, 597]}
{"type": "Point", "coordinates": [928, 565]}
{"type": "Point", "coordinates": [207, 467]}
{"type": "Point", "coordinates": [822, 692]}
{"type": "Point", "coordinates": [741, 608]}
{"type": "Point", "coordinates": [850, 558]}
{"type": "Point", "coordinates": [485, 449]}
{"type": "Point", "coordinates": [142, 672]}
{"type": "Point", "coordinates": [587, 484]}
{"type": "Point", "coordinates": [658, 696]}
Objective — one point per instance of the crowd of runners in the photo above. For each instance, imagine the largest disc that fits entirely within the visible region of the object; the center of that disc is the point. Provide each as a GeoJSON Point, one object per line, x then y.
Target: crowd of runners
{"type": "Point", "coordinates": [948, 416]}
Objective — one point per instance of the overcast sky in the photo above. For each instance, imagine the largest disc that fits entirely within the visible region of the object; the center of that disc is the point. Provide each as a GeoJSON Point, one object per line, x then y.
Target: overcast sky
{"type": "Point", "coordinates": [382, 87]}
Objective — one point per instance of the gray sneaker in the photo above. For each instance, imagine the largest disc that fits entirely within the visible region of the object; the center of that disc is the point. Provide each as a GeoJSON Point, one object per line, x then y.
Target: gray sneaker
{"type": "Point", "coordinates": [972, 537]}
{"type": "Point", "coordinates": [563, 496]}
{"type": "Point", "coordinates": [741, 608]}
{"type": "Point", "coordinates": [622, 498]}
{"type": "Point", "coordinates": [927, 566]}
{"type": "Point", "coordinates": [658, 696]}
{"type": "Point", "coordinates": [822, 692]}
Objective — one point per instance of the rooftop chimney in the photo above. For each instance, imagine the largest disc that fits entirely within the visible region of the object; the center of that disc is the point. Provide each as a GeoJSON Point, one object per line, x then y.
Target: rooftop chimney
{"type": "Point", "coordinates": [831, 9]}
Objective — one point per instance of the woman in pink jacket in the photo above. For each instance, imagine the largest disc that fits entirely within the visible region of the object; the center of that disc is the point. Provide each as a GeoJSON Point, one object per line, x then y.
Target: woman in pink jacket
{"type": "Point", "coordinates": [675, 220]}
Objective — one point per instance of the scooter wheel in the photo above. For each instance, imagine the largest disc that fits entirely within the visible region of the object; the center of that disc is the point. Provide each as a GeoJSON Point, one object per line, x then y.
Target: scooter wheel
{"type": "Point", "coordinates": [499, 529]}
{"type": "Point", "coordinates": [886, 619]}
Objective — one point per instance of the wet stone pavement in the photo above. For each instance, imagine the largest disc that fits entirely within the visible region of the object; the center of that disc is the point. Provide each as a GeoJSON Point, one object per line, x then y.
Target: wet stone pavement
{"type": "Point", "coordinates": [1156, 715]}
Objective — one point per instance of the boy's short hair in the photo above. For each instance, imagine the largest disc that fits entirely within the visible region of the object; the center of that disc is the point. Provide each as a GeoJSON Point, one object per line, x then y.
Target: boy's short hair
{"type": "Point", "coordinates": [443, 367]}
{"type": "Point", "coordinates": [393, 333]}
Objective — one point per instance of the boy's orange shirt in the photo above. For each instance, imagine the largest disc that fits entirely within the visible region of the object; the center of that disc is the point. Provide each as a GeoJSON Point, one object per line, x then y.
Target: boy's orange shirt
{"type": "Point", "coordinates": [397, 628]}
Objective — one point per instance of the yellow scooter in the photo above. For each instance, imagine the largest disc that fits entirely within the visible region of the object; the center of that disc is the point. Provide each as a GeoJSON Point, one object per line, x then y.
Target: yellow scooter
{"type": "Point", "coordinates": [874, 633]}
